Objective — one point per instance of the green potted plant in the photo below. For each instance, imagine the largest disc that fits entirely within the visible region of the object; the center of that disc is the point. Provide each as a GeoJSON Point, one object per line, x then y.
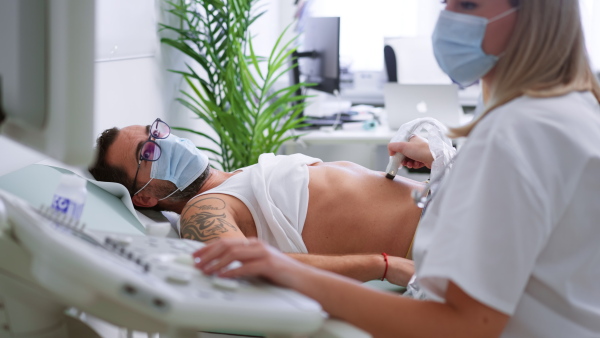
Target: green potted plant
{"type": "Point", "coordinates": [235, 96]}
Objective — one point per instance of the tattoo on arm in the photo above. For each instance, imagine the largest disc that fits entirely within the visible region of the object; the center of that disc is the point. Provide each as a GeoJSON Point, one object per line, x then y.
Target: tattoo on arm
{"type": "Point", "coordinates": [202, 222]}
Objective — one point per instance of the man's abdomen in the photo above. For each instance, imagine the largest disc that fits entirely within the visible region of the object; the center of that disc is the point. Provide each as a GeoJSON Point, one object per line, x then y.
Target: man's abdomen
{"type": "Point", "coordinates": [352, 209]}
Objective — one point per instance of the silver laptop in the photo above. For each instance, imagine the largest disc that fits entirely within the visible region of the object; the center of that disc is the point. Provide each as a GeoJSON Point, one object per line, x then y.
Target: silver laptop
{"type": "Point", "coordinates": [406, 102]}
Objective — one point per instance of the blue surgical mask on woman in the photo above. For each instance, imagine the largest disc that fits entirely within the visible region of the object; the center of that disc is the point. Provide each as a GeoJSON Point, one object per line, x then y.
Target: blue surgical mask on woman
{"type": "Point", "coordinates": [180, 163]}
{"type": "Point", "coordinates": [457, 40]}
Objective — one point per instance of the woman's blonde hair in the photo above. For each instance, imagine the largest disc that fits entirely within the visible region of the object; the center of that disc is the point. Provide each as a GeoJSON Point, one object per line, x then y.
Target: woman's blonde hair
{"type": "Point", "coordinates": [545, 57]}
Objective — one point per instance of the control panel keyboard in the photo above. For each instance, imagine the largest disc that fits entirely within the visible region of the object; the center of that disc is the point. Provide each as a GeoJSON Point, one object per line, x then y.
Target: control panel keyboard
{"type": "Point", "coordinates": [153, 279]}
{"type": "Point", "coordinates": [170, 259]}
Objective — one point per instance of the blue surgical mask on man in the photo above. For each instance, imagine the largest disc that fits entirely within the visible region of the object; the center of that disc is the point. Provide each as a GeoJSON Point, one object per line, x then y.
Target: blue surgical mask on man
{"type": "Point", "coordinates": [180, 163]}
{"type": "Point", "coordinates": [457, 40]}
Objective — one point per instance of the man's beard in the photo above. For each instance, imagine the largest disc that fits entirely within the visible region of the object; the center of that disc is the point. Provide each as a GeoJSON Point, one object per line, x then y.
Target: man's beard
{"type": "Point", "coordinates": [166, 187]}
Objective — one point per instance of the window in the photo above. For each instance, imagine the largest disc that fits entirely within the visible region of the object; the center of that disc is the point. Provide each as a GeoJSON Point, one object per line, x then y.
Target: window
{"type": "Point", "coordinates": [364, 24]}
{"type": "Point", "coordinates": [590, 17]}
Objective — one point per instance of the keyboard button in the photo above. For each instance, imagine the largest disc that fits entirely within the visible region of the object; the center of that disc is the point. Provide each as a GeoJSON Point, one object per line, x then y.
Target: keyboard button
{"type": "Point", "coordinates": [122, 240]}
{"type": "Point", "coordinates": [184, 259]}
{"type": "Point", "coordinates": [176, 277]}
{"type": "Point", "coordinates": [225, 283]}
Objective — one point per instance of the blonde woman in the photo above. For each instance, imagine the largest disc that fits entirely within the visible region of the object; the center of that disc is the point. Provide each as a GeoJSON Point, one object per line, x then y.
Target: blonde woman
{"type": "Point", "coordinates": [509, 245]}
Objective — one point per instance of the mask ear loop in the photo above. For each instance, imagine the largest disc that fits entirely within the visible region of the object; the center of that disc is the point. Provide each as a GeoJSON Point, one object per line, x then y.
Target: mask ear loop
{"type": "Point", "coordinates": [145, 185]}
{"type": "Point", "coordinates": [169, 195]}
{"type": "Point", "coordinates": [501, 15]}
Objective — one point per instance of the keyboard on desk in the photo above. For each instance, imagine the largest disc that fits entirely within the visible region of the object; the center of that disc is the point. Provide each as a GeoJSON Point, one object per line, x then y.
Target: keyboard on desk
{"type": "Point", "coordinates": [329, 120]}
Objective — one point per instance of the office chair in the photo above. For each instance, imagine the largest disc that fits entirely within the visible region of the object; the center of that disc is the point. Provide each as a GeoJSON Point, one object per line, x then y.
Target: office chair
{"type": "Point", "coordinates": [390, 63]}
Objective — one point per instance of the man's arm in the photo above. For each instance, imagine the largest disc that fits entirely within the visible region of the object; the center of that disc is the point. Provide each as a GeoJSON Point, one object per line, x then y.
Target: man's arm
{"type": "Point", "coordinates": [208, 218]}
{"type": "Point", "coordinates": [362, 267]}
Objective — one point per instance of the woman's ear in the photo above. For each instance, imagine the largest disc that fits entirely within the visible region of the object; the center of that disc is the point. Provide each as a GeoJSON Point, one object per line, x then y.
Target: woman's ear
{"type": "Point", "coordinates": [144, 200]}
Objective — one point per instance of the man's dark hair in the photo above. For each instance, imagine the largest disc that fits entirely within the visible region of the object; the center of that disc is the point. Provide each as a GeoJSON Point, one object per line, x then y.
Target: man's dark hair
{"type": "Point", "coordinates": [101, 170]}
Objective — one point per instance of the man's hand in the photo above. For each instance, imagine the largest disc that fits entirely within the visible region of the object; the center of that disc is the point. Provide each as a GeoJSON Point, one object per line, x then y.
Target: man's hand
{"type": "Point", "coordinates": [416, 152]}
{"type": "Point", "coordinates": [260, 259]}
{"type": "Point", "coordinates": [400, 270]}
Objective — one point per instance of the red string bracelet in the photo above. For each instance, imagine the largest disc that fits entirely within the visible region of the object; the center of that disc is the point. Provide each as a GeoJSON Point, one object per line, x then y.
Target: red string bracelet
{"type": "Point", "coordinates": [385, 258]}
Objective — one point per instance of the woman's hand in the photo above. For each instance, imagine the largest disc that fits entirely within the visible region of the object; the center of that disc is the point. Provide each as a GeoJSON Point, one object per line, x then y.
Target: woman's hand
{"type": "Point", "coordinates": [258, 259]}
{"type": "Point", "coordinates": [416, 152]}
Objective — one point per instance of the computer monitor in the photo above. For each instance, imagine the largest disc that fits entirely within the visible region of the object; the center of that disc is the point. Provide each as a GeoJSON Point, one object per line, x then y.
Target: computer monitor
{"type": "Point", "coordinates": [318, 60]}
{"type": "Point", "coordinates": [47, 76]}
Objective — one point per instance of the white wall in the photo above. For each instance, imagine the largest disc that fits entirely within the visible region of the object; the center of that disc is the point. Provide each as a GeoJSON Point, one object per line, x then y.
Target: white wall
{"type": "Point", "coordinates": [590, 14]}
{"type": "Point", "coordinates": [131, 85]}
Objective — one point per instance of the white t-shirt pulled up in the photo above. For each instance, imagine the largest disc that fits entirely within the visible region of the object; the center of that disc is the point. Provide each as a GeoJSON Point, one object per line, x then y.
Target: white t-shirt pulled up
{"type": "Point", "coordinates": [516, 224]}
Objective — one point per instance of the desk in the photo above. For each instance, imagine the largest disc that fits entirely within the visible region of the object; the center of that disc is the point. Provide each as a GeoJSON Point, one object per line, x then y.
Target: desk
{"type": "Point", "coordinates": [467, 97]}
{"type": "Point", "coordinates": [365, 147]}
{"type": "Point", "coordinates": [380, 135]}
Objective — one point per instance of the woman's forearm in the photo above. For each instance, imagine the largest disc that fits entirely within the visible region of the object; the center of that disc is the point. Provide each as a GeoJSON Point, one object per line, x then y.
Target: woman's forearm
{"type": "Point", "coordinates": [382, 314]}
{"type": "Point", "coordinates": [386, 314]}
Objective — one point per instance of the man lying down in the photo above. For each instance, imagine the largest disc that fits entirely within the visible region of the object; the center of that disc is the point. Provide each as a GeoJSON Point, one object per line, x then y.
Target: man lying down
{"type": "Point", "coordinates": [337, 216]}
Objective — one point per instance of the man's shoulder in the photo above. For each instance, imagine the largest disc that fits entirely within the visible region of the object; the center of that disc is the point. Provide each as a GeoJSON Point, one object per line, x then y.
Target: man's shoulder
{"type": "Point", "coordinates": [209, 216]}
{"type": "Point", "coordinates": [206, 202]}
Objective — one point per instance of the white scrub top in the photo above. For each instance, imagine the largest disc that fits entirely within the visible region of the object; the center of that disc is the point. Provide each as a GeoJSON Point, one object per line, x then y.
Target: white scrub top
{"type": "Point", "coordinates": [516, 224]}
